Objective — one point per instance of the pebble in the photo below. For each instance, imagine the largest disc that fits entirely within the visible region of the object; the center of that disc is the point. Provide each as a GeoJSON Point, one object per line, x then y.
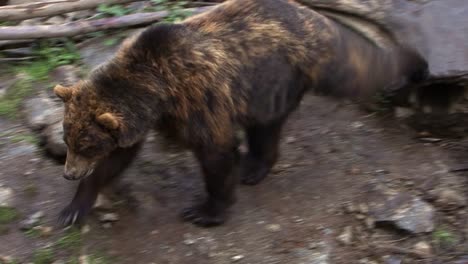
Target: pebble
{"type": "Point", "coordinates": [109, 217]}
{"type": "Point", "coordinates": [347, 236]}
{"type": "Point", "coordinates": [422, 248]}
{"type": "Point", "coordinates": [189, 240]}
{"type": "Point", "coordinates": [273, 227]}
{"type": "Point", "coordinates": [107, 225]}
{"type": "Point", "coordinates": [6, 196]}
{"type": "Point", "coordinates": [450, 199]}
{"type": "Point", "coordinates": [237, 258]}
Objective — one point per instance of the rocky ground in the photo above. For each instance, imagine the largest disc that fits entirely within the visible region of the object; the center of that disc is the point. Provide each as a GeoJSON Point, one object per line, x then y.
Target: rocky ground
{"type": "Point", "coordinates": [350, 187]}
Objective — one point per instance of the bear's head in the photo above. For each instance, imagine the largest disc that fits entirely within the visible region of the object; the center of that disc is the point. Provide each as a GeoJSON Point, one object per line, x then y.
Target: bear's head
{"type": "Point", "coordinates": [91, 130]}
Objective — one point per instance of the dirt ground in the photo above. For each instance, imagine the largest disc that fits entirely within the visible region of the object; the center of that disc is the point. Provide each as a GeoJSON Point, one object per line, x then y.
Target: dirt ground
{"type": "Point", "coordinates": [332, 155]}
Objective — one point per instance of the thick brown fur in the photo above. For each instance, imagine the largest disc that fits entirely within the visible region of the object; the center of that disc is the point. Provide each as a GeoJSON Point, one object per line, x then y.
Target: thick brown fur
{"type": "Point", "coordinates": [247, 63]}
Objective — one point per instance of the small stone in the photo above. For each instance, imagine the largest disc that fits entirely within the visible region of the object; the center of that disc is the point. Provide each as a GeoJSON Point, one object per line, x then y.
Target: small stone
{"type": "Point", "coordinates": [392, 259]}
{"type": "Point", "coordinates": [357, 124]}
{"type": "Point", "coordinates": [360, 216]}
{"type": "Point", "coordinates": [154, 232]}
{"type": "Point", "coordinates": [237, 258]}
{"type": "Point", "coordinates": [290, 140]}
{"type": "Point", "coordinates": [403, 112]}
{"type": "Point", "coordinates": [85, 229]}
{"type": "Point", "coordinates": [430, 140]}
{"type": "Point", "coordinates": [44, 231]}
{"type": "Point", "coordinates": [312, 245]}
{"type": "Point", "coordinates": [449, 199]}
{"type": "Point", "coordinates": [347, 236]}
{"type": "Point", "coordinates": [355, 171]}
{"type": "Point", "coordinates": [102, 203]}
{"type": "Point", "coordinates": [109, 217]}
{"type": "Point", "coordinates": [38, 215]}
{"type": "Point", "coordinates": [422, 248]}
{"type": "Point", "coordinates": [31, 221]}
{"type": "Point", "coordinates": [273, 227]}
{"type": "Point", "coordinates": [189, 240]}
{"type": "Point", "coordinates": [363, 208]}
{"type": "Point", "coordinates": [107, 225]}
{"type": "Point", "coordinates": [350, 208]}
{"type": "Point", "coordinates": [370, 222]}
{"type": "Point", "coordinates": [6, 196]}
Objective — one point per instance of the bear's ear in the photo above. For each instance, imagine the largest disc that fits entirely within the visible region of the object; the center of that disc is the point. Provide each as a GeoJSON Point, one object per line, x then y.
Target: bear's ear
{"type": "Point", "coordinates": [63, 93]}
{"type": "Point", "coordinates": [109, 121]}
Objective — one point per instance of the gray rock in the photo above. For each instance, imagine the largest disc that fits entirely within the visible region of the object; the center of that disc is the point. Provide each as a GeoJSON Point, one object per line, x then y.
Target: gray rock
{"type": "Point", "coordinates": [31, 221]}
{"type": "Point", "coordinates": [66, 75]}
{"type": "Point", "coordinates": [6, 196]}
{"type": "Point", "coordinates": [42, 111]}
{"type": "Point", "coordinates": [53, 137]}
{"type": "Point", "coordinates": [461, 260]}
{"type": "Point", "coordinates": [391, 259]}
{"type": "Point", "coordinates": [403, 211]}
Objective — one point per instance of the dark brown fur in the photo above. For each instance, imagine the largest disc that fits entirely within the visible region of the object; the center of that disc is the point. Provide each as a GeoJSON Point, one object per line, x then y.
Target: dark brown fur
{"type": "Point", "coordinates": [246, 63]}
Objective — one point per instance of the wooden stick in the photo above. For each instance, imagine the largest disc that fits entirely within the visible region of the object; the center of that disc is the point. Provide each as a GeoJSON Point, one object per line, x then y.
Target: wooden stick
{"type": "Point", "coordinates": [82, 27]}
{"type": "Point", "coordinates": [45, 9]}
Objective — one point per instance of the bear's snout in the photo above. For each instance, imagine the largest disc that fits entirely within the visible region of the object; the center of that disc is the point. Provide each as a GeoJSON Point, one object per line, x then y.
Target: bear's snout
{"type": "Point", "coordinates": [77, 168]}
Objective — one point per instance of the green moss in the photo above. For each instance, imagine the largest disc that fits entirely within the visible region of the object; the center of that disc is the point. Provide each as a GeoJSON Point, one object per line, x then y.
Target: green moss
{"type": "Point", "coordinates": [7, 215]}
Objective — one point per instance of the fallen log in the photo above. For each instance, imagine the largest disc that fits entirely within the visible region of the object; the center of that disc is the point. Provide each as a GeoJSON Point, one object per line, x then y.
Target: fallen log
{"type": "Point", "coordinates": [82, 27]}
{"type": "Point", "coordinates": [45, 9]}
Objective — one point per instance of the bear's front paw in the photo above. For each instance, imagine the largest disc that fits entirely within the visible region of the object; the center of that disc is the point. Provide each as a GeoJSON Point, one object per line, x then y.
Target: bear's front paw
{"type": "Point", "coordinates": [204, 216]}
{"type": "Point", "coordinates": [73, 214]}
{"type": "Point", "coordinates": [253, 172]}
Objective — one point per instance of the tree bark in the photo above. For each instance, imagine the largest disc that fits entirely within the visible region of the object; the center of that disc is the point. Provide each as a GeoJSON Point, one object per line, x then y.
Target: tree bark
{"type": "Point", "coordinates": [31, 10]}
{"type": "Point", "coordinates": [83, 27]}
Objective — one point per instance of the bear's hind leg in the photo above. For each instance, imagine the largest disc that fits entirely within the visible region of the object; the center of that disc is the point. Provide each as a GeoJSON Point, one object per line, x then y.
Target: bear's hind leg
{"type": "Point", "coordinates": [88, 189]}
{"type": "Point", "coordinates": [219, 169]}
{"type": "Point", "coordinates": [263, 144]}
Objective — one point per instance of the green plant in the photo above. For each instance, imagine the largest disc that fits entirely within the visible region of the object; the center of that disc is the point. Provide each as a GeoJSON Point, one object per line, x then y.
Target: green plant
{"type": "Point", "coordinates": [25, 138]}
{"type": "Point", "coordinates": [7, 215]}
{"type": "Point", "coordinates": [176, 9]}
{"type": "Point", "coordinates": [10, 102]}
{"type": "Point", "coordinates": [43, 256]}
{"type": "Point", "coordinates": [71, 239]}
{"type": "Point", "coordinates": [113, 10]}
{"type": "Point", "coordinates": [444, 238]}
{"type": "Point", "coordinates": [49, 55]}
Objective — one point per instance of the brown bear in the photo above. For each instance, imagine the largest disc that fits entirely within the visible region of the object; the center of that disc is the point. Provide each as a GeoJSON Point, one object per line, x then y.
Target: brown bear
{"type": "Point", "coordinates": [245, 63]}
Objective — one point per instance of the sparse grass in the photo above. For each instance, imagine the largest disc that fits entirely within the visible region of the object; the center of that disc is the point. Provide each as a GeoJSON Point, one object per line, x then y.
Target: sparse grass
{"type": "Point", "coordinates": [175, 9]}
{"type": "Point", "coordinates": [49, 56]}
{"type": "Point", "coordinates": [443, 238]}
{"type": "Point", "coordinates": [33, 232]}
{"type": "Point", "coordinates": [7, 215]}
{"type": "Point", "coordinates": [43, 256]}
{"type": "Point", "coordinates": [113, 10]}
{"type": "Point", "coordinates": [11, 101]}
{"type": "Point", "coordinates": [29, 138]}
{"type": "Point", "coordinates": [70, 240]}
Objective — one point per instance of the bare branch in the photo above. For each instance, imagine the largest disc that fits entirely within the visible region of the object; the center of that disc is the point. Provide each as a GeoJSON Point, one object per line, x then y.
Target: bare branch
{"type": "Point", "coordinates": [44, 9]}
{"type": "Point", "coordinates": [83, 27]}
